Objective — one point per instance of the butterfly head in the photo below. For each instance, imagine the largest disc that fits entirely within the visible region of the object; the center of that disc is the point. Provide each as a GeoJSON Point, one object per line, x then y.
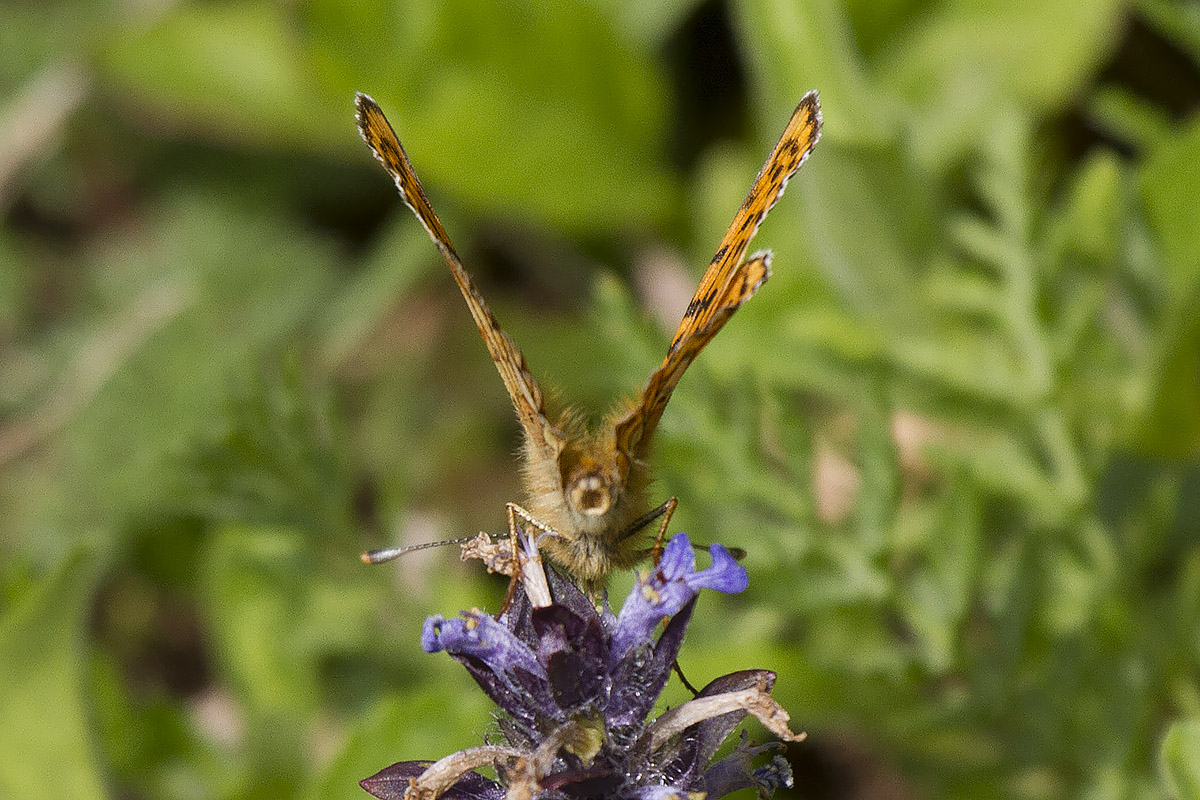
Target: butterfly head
{"type": "Point", "coordinates": [590, 488]}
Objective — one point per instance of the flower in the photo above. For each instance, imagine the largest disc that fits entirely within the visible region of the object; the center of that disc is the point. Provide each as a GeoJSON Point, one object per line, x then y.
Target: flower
{"type": "Point", "coordinates": [670, 587]}
{"type": "Point", "coordinates": [576, 687]}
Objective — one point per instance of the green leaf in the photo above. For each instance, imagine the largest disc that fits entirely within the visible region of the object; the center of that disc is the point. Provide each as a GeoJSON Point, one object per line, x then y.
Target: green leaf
{"type": "Point", "coordinates": [1094, 213]}
{"type": "Point", "coordinates": [171, 299]}
{"type": "Point", "coordinates": [964, 58]}
{"type": "Point", "coordinates": [1169, 182]}
{"type": "Point", "coordinates": [400, 257]}
{"type": "Point", "coordinates": [794, 47]}
{"type": "Point", "coordinates": [279, 459]}
{"type": "Point", "coordinates": [1127, 116]}
{"type": "Point", "coordinates": [44, 730]}
{"type": "Point", "coordinates": [555, 116]}
{"type": "Point", "coordinates": [937, 598]}
{"type": "Point", "coordinates": [652, 23]}
{"type": "Point", "coordinates": [231, 71]}
{"type": "Point", "coordinates": [1169, 186]}
{"type": "Point", "coordinates": [256, 595]}
{"type": "Point", "coordinates": [1179, 759]}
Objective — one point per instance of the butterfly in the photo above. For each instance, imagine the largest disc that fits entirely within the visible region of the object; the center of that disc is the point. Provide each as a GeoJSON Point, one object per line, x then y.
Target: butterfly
{"type": "Point", "coordinates": [586, 488]}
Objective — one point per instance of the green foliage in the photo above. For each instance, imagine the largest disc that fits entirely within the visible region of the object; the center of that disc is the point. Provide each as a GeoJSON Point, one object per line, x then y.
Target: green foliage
{"type": "Point", "coordinates": [43, 650]}
{"type": "Point", "coordinates": [1180, 759]}
{"type": "Point", "coordinates": [957, 432]}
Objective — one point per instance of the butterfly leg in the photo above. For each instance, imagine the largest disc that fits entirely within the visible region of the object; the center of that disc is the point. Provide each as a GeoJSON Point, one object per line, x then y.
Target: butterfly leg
{"type": "Point", "coordinates": [527, 558]}
{"type": "Point", "coordinates": [515, 510]}
{"type": "Point", "coordinates": [668, 510]}
{"type": "Point", "coordinates": [509, 594]}
{"type": "Point", "coordinates": [645, 519]}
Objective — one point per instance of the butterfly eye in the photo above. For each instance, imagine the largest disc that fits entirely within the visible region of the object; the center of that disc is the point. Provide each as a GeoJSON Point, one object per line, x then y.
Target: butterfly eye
{"type": "Point", "coordinates": [590, 494]}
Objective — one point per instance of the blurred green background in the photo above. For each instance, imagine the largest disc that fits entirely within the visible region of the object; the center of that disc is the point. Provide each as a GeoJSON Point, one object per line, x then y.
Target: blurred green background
{"type": "Point", "coordinates": [957, 432]}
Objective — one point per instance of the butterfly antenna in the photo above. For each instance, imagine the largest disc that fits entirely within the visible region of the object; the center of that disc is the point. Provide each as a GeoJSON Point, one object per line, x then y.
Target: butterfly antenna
{"type": "Point", "coordinates": [389, 553]}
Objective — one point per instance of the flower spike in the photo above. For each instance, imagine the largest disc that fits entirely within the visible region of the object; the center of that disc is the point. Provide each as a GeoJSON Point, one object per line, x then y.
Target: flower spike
{"type": "Point", "coordinates": [577, 685]}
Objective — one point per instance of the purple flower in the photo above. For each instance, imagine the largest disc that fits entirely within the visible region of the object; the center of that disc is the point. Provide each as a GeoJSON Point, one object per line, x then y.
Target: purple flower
{"type": "Point", "coordinates": [477, 635]}
{"type": "Point", "coordinates": [503, 665]}
{"type": "Point", "coordinates": [577, 686]}
{"type": "Point", "coordinates": [670, 587]}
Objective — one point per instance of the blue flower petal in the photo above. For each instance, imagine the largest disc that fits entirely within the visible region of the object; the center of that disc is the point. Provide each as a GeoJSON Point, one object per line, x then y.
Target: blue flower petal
{"type": "Point", "coordinates": [725, 574]}
{"type": "Point", "coordinates": [430, 632]}
{"type": "Point", "coordinates": [477, 635]}
{"type": "Point", "coordinates": [669, 588]}
{"type": "Point", "coordinates": [678, 558]}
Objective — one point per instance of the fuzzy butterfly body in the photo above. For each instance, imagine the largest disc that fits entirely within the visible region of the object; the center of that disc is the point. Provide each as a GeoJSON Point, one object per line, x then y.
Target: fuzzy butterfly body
{"type": "Point", "coordinates": [588, 486]}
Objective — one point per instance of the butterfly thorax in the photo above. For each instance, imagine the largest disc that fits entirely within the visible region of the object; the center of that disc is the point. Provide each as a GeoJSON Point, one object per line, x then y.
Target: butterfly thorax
{"type": "Point", "coordinates": [589, 498]}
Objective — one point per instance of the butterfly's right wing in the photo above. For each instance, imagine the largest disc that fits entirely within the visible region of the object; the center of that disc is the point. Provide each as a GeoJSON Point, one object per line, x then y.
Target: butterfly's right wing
{"type": "Point", "coordinates": [727, 283]}
{"type": "Point", "coordinates": [635, 430]}
{"type": "Point", "coordinates": [526, 395]}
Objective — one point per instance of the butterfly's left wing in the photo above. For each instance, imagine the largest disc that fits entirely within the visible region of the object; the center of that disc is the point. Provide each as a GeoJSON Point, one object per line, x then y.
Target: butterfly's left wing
{"type": "Point", "coordinates": [727, 283]}
{"type": "Point", "coordinates": [543, 437]}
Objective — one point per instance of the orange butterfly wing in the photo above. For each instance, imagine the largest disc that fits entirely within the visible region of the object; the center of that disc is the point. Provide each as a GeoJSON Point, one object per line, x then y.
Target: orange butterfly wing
{"type": "Point", "coordinates": [524, 391]}
{"type": "Point", "coordinates": [727, 283]}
